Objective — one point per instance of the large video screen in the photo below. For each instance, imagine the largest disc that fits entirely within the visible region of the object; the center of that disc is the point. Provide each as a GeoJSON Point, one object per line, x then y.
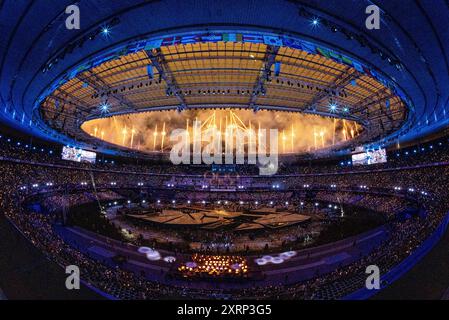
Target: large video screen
{"type": "Point", "coordinates": [78, 155]}
{"type": "Point", "coordinates": [370, 157]}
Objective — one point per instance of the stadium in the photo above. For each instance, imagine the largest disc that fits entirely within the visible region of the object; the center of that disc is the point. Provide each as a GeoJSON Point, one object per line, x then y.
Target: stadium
{"type": "Point", "coordinates": [224, 150]}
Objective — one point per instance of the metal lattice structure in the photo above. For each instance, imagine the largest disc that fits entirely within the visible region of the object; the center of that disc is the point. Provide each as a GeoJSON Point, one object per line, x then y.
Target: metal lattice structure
{"type": "Point", "coordinates": [224, 75]}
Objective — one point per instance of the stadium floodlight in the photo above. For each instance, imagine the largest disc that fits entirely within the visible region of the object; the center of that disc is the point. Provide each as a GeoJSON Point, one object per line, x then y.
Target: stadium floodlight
{"type": "Point", "coordinates": [315, 22]}
{"type": "Point", "coordinates": [106, 31]}
{"type": "Point", "coordinates": [333, 107]}
{"type": "Point", "coordinates": [104, 107]}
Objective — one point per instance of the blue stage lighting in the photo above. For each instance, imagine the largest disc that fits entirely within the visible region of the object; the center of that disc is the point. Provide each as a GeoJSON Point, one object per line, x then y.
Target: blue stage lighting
{"type": "Point", "coordinates": [315, 22]}
{"type": "Point", "coordinates": [105, 31]}
{"type": "Point", "coordinates": [104, 107]}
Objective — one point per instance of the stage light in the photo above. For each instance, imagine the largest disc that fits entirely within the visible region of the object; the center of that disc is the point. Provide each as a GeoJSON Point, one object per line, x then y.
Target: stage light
{"type": "Point", "coordinates": [315, 22]}
{"type": "Point", "coordinates": [333, 107]}
{"type": "Point", "coordinates": [153, 255]}
{"type": "Point", "coordinates": [169, 259]}
{"type": "Point", "coordinates": [105, 31]}
{"type": "Point", "coordinates": [144, 250]}
{"type": "Point", "coordinates": [104, 107]}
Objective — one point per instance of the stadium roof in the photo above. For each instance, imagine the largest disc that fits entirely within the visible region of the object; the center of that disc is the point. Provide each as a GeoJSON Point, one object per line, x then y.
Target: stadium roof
{"type": "Point", "coordinates": [40, 58]}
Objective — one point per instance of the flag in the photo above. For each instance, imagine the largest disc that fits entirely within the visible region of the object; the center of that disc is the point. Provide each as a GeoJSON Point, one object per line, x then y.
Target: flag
{"type": "Point", "coordinates": [170, 41]}
{"type": "Point", "coordinates": [189, 39]}
{"type": "Point", "coordinates": [367, 71]}
{"type": "Point", "coordinates": [309, 47]}
{"type": "Point", "coordinates": [232, 37]}
{"type": "Point", "coordinates": [335, 55]}
{"type": "Point", "coordinates": [293, 43]}
{"type": "Point", "coordinates": [357, 66]}
{"type": "Point", "coordinates": [272, 41]}
{"type": "Point", "coordinates": [374, 73]}
{"type": "Point", "coordinates": [137, 47]}
{"type": "Point", "coordinates": [211, 38]}
{"type": "Point", "coordinates": [346, 60]}
{"type": "Point", "coordinates": [252, 38]}
{"type": "Point", "coordinates": [153, 44]}
{"type": "Point", "coordinates": [323, 52]}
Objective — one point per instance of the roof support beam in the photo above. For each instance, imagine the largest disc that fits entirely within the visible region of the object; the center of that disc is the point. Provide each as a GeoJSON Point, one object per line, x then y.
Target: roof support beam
{"type": "Point", "coordinates": [340, 83]}
{"type": "Point", "coordinates": [268, 61]}
{"type": "Point", "coordinates": [158, 61]}
{"type": "Point", "coordinates": [101, 86]}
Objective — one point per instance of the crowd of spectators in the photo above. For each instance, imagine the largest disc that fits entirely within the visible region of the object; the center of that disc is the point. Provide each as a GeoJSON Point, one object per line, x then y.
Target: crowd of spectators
{"type": "Point", "coordinates": [25, 172]}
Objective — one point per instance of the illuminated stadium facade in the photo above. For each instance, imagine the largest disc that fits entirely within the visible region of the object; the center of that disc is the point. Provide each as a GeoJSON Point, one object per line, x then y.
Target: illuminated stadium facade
{"type": "Point", "coordinates": [360, 118]}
